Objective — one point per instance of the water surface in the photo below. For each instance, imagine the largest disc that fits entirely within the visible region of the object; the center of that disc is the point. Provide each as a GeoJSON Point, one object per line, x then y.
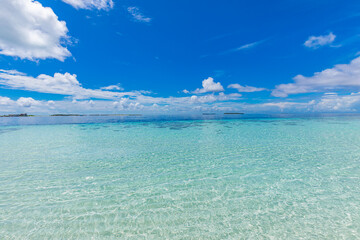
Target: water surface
{"type": "Point", "coordinates": [248, 178]}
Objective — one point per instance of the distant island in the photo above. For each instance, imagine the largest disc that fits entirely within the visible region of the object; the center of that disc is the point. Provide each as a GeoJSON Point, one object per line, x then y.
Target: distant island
{"type": "Point", "coordinates": [70, 115]}
{"type": "Point", "coordinates": [91, 115]}
{"type": "Point", "coordinates": [17, 115]}
{"type": "Point", "coordinates": [96, 115]}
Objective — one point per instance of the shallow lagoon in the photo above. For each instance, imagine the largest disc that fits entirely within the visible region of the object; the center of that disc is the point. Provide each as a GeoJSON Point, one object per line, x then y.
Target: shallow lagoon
{"type": "Point", "coordinates": [180, 178]}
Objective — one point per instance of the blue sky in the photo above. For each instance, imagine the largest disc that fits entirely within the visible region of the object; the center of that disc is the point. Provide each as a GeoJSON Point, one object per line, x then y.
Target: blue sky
{"type": "Point", "coordinates": [110, 56]}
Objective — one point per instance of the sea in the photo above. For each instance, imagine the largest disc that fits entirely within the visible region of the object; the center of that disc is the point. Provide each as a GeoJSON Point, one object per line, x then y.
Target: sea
{"type": "Point", "coordinates": [180, 177]}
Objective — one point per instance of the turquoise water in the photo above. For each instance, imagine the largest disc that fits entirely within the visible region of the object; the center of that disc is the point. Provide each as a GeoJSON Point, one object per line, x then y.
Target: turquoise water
{"type": "Point", "coordinates": [272, 178]}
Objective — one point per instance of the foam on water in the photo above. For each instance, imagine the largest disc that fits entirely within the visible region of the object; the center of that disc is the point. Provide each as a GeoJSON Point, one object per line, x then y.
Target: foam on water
{"type": "Point", "coordinates": [202, 179]}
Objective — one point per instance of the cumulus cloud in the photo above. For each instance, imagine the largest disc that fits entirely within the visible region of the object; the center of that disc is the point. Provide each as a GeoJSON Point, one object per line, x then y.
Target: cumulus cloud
{"type": "Point", "coordinates": [26, 102]}
{"type": "Point", "coordinates": [213, 98]}
{"type": "Point", "coordinates": [282, 105]}
{"type": "Point", "coordinates": [209, 86]}
{"type": "Point", "coordinates": [319, 41]}
{"type": "Point", "coordinates": [335, 103]}
{"type": "Point", "coordinates": [21, 105]}
{"type": "Point", "coordinates": [341, 76]}
{"type": "Point", "coordinates": [127, 104]}
{"type": "Point", "coordinates": [64, 84]}
{"type": "Point", "coordinates": [67, 84]}
{"type": "Point", "coordinates": [210, 102]}
{"type": "Point", "coordinates": [91, 4]}
{"type": "Point", "coordinates": [124, 104]}
{"type": "Point", "coordinates": [202, 99]}
{"type": "Point", "coordinates": [137, 15]}
{"type": "Point", "coordinates": [30, 31]}
{"type": "Point", "coordinates": [245, 88]}
{"type": "Point", "coordinates": [105, 101]}
{"type": "Point", "coordinates": [326, 103]}
{"type": "Point", "coordinates": [5, 101]}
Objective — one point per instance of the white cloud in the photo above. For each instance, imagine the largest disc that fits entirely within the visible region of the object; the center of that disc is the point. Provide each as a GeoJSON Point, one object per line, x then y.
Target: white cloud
{"type": "Point", "coordinates": [5, 101]}
{"type": "Point", "coordinates": [91, 4]}
{"type": "Point", "coordinates": [68, 85]}
{"type": "Point", "coordinates": [64, 84]}
{"type": "Point", "coordinates": [203, 99]}
{"type": "Point", "coordinates": [213, 98]}
{"type": "Point", "coordinates": [210, 102]}
{"type": "Point", "coordinates": [127, 104]}
{"type": "Point", "coordinates": [26, 102]}
{"type": "Point", "coordinates": [209, 86]}
{"type": "Point", "coordinates": [143, 104]}
{"type": "Point", "coordinates": [316, 42]}
{"type": "Point", "coordinates": [137, 15]}
{"type": "Point", "coordinates": [249, 45]}
{"type": "Point", "coordinates": [185, 91]}
{"type": "Point", "coordinates": [30, 31]}
{"type": "Point", "coordinates": [341, 76]}
{"type": "Point", "coordinates": [244, 47]}
{"type": "Point", "coordinates": [334, 103]}
{"type": "Point", "coordinates": [112, 87]}
{"type": "Point", "coordinates": [185, 101]}
{"type": "Point", "coordinates": [245, 88]}
{"type": "Point", "coordinates": [281, 105]}
{"type": "Point", "coordinates": [21, 105]}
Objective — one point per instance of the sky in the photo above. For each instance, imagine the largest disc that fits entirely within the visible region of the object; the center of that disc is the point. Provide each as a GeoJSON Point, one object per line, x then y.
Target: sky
{"type": "Point", "coordinates": [136, 56]}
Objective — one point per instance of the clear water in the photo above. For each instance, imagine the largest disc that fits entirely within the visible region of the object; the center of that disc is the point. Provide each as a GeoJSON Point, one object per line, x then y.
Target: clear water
{"type": "Point", "coordinates": [270, 178]}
